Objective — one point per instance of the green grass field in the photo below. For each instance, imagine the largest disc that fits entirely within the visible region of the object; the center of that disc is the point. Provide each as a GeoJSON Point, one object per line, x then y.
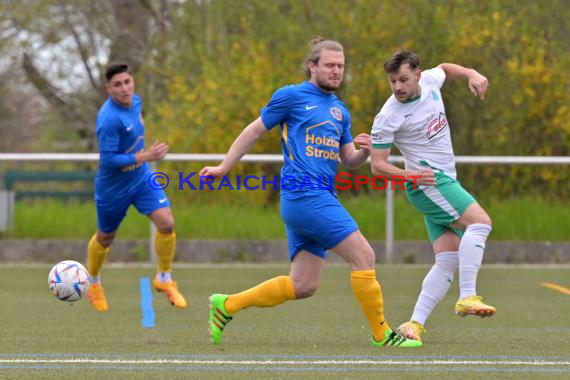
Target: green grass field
{"type": "Point", "coordinates": [514, 219]}
{"type": "Point", "coordinates": [322, 337]}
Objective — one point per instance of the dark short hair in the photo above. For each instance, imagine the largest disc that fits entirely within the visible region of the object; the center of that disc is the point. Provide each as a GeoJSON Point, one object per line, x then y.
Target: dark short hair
{"type": "Point", "coordinates": [114, 69]}
{"type": "Point", "coordinates": [403, 56]}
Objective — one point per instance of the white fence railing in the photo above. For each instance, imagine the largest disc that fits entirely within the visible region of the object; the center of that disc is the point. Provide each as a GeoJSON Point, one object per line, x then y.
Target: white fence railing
{"type": "Point", "coordinates": [277, 158]}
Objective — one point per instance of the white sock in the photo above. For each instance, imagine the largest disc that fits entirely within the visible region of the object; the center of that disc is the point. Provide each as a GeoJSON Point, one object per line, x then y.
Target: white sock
{"type": "Point", "coordinates": [164, 276]}
{"type": "Point", "coordinates": [471, 249]}
{"type": "Point", "coordinates": [94, 280]}
{"type": "Point", "coordinates": [435, 285]}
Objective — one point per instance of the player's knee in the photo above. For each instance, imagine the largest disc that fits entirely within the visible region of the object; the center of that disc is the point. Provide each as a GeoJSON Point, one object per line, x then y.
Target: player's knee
{"type": "Point", "coordinates": [365, 260]}
{"type": "Point", "coordinates": [483, 230]}
{"type": "Point", "coordinates": [305, 292]}
{"type": "Point", "coordinates": [166, 227]}
{"type": "Point", "coordinates": [167, 230]}
{"type": "Point", "coordinates": [483, 218]}
{"type": "Point", "coordinates": [370, 258]}
{"type": "Point", "coordinates": [105, 239]}
{"type": "Point", "coordinates": [305, 289]}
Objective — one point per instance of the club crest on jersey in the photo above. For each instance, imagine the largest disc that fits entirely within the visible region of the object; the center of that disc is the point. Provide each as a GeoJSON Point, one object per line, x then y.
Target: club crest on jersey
{"type": "Point", "coordinates": [336, 113]}
{"type": "Point", "coordinates": [436, 126]}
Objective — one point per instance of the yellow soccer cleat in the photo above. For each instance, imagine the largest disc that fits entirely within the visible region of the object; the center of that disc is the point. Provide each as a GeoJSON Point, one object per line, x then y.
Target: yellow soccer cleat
{"type": "Point", "coordinates": [96, 295]}
{"type": "Point", "coordinates": [171, 290]}
{"type": "Point", "coordinates": [473, 305]}
{"type": "Point", "coordinates": [412, 330]}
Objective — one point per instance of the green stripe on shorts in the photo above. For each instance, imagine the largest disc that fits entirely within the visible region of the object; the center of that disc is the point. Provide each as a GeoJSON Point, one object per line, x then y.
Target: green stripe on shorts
{"type": "Point", "coordinates": [441, 205]}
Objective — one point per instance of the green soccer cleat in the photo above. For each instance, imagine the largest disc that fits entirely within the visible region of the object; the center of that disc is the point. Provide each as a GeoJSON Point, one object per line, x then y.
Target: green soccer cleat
{"type": "Point", "coordinates": [219, 318]}
{"type": "Point", "coordinates": [393, 339]}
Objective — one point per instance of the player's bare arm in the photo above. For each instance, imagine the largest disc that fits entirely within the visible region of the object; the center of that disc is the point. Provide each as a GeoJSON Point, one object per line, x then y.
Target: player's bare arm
{"type": "Point", "coordinates": [478, 84]}
{"type": "Point", "coordinates": [351, 157]}
{"type": "Point", "coordinates": [241, 145]}
{"type": "Point", "coordinates": [380, 166]}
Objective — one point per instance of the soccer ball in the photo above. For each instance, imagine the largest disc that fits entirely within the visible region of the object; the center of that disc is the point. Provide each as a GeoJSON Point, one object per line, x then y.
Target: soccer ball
{"type": "Point", "coordinates": [68, 280]}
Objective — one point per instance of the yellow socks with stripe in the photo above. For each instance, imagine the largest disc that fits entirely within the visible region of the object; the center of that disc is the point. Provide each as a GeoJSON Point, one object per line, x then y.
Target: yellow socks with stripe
{"type": "Point", "coordinates": [165, 246]}
{"type": "Point", "coordinates": [269, 293]}
{"type": "Point", "coordinates": [96, 254]}
{"type": "Point", "coordinates": [369, 295]}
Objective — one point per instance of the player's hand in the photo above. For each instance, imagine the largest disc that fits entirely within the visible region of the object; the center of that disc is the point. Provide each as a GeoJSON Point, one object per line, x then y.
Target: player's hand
{"type": "Point", "coordinates": [426, 177]}
{"type": "Point", "coordinates": [157, 151]}
{"type": "Point", "coordinates": [212, 171]}
{"type": "Point", "coordinates": [364, 141]}
{"type": "Point", "coordinates": [478, 84]}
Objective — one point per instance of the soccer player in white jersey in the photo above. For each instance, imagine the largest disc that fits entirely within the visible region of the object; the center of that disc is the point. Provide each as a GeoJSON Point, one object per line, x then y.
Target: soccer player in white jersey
{"type": "Point", "coordinates": [414, 120]}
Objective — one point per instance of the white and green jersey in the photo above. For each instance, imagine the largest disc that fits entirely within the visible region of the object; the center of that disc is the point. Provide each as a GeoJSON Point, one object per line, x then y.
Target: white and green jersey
{"type": "Point", "coordinates": [418, 127]}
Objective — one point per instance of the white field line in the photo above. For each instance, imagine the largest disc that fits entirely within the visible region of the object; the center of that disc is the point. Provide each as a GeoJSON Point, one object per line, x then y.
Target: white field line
{"type": "Point", "coordinates": [283, 264]}
{"type": "Point", "coordinates": [292, 362]}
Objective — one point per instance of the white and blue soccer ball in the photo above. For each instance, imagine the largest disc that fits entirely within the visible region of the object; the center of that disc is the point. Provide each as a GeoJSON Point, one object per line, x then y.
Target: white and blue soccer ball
{"type": "Point", "coordinates": [68, 280]}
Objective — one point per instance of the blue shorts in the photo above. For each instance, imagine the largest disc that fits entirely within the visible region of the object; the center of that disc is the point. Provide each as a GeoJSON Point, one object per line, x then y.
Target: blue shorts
{"type": "Point", "coordinates": [112, 210]}
{"type": "Point", "coordinates": [315, 223]}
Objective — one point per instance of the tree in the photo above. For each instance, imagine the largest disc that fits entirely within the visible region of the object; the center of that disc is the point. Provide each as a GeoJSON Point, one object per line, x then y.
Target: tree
{"type": "Point", "coordinates": [64, 45]}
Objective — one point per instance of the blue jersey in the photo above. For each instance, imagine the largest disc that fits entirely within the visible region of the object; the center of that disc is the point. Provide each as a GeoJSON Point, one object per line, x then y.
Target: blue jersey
{"type": "Point", "coordinates": [120, 134]}
{"type": "Point", "coordinates": [314, 125]}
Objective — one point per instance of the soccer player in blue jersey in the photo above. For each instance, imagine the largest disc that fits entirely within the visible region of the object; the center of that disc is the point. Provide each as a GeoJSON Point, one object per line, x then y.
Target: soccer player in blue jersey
{"type": "Point", "coordinates": [122, 181]}
{"type": "Point", "coordinates": [315, 134]}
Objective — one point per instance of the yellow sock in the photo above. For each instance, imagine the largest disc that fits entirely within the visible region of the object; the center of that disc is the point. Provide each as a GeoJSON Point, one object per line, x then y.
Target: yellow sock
{"type": "Point", "coordinates": [269, 293]}
{"type": "Point", "coordinates": [96, 254]}
{"type": "Point", "coordinates": [164, 245]}
{"type": "Point", "coordinates": [368, 292]}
